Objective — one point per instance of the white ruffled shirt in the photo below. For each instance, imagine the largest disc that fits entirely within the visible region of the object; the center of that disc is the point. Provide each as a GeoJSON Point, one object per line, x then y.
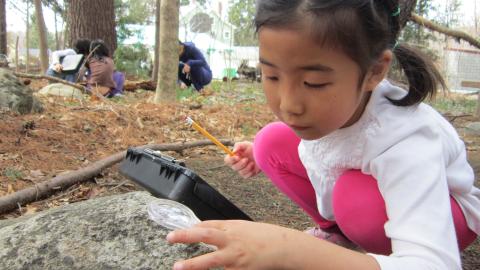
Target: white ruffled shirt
{"type": "Point", "coordinates": [418, 159]}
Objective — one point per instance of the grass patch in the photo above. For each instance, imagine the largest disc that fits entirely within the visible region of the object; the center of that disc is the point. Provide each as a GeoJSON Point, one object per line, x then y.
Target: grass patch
{"type": "Point", "coordinates": [12, 174]}
{"type": "Point", "coordinates": [187, 93]}
{"type": "Point", "coordinates": [458, 104]}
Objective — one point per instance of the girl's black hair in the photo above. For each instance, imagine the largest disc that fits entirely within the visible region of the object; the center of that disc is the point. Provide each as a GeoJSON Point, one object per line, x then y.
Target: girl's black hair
{"type": "Point", "coordinates": [363, 29]}
{"type": "Point", "coordinates": [82, 46]}
{"type": "Point", "coordinates": [99, 49]}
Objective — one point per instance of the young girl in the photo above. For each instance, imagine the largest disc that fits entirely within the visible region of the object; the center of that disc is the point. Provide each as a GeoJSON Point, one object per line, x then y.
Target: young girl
{"type": "Point", "coordinates": [372, 165]}
{"type": "Point", "coordinates": [103, 77]}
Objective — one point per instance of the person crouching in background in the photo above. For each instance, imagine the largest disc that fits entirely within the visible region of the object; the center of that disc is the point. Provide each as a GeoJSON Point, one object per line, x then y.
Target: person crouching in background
{"type": "Point", "coordinates": [193, 69]}
{"type": "Point", "coordinates": [103, 77]}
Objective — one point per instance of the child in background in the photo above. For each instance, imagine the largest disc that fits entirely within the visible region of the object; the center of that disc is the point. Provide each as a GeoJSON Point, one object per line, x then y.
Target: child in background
{"type": "Point", "coordinates": [103, 78]}
{"type": "Point", "coordinates": [81, 46]}
{"type": "Point", "coordinates": [368, 161]}
{"type": "Point", "coordinates": [193, 69]}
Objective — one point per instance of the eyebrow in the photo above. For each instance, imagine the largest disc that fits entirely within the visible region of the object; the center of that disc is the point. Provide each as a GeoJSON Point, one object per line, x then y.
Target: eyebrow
{"type": "Point", "coordinates": [315, 67]}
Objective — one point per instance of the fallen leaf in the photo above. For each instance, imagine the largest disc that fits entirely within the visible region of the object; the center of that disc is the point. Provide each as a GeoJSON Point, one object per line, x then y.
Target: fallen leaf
{"type": "Point", "coordinates": [36, 174]}
{"type": "Point", "coordinates": [10, 189]}
{"type": "Point", "coordinates": [94, 192]}
{"type": "Point", "coordinates": [31, 209]}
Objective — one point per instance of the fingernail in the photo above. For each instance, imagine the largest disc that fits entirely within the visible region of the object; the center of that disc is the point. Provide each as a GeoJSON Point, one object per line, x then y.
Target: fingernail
{"type": "Point", "coordinates": [178, 266]}
{"type": "Point", "coordinates": [169, 236]}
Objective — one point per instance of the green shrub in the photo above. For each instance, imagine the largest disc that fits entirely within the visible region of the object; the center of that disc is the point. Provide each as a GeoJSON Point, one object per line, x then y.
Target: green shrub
{"type": "Point", "coordinates": [134, 60]}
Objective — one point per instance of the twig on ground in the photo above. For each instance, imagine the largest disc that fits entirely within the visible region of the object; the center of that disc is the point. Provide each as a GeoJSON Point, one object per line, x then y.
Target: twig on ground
{"type": "Point", "coordinates": [43, 189]}
{"type": "Point", "coordinates": [119, 185]}
{"type": "Point", "coordinates": [452, 118]}
{"type": "Point", "coordinates": [50, 78]}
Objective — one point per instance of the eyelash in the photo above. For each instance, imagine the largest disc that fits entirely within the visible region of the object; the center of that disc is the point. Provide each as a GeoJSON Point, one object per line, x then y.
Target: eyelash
{"type": "Point", "coordinates": [310, 85]}
{"type": "Point", "coordinates": [317, 86]}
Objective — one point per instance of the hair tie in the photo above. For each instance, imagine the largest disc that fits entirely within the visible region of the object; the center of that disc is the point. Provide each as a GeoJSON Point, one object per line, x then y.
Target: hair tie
{"type": "Point", "coordinates": [395, 45]}
{"type": "Point", "coordinates": [397, 12]}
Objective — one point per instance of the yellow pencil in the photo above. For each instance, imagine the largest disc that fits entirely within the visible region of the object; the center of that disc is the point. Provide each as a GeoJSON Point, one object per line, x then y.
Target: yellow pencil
{"type": "Point", "coordinates": [209, 136]}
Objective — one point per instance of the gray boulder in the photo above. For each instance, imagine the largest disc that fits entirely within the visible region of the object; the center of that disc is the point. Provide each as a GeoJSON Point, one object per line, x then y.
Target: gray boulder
{"type": "Point", "coordinates": [62, 90]}
{"type": "Point", "coordinates": [15, 96]}
{"type": "Point", "coordinates": [473, 129]}
{"type": "Point", "coordinates": [105, 233]}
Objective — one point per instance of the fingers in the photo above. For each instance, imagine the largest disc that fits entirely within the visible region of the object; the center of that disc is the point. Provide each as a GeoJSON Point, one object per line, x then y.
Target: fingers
{"type": "Point", "coordinates": [242, 161]}
{"type": "Point", "coordinates": [211, 260]}
{"type": "Point", "coordinates": [248, 171]}
{"type": "Point", "coordinates": [244, 166]}
{"type": "Point", "coordinates": [197, 234]}
{"type": "Point", "coordinates": [241, 147]}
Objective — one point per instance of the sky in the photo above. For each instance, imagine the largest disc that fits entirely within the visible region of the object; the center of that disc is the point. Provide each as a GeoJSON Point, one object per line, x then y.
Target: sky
{"type": "Point", "coordinates": [467, 10]}
{"type": "Point", "coordinates": [16, 18]}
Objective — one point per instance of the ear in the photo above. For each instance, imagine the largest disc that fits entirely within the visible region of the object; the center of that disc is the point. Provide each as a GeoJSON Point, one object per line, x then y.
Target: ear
{"type": "Point", "coordinates": [378, 71]}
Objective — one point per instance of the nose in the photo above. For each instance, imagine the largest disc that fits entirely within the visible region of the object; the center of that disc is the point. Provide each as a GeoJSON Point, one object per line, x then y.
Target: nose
{"type": "Point", "coordinates": [291, 99]}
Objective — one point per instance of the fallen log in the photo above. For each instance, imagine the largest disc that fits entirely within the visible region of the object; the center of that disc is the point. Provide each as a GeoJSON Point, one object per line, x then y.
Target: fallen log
{"type": "Point", "coordinates": [42, 190]}
{"type": "Point", "coordinates": [50, 78]}
{"type": "Point", "coordinates": [134, 85]}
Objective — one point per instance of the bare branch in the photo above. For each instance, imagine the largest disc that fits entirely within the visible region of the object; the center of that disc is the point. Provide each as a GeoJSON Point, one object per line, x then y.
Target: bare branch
{"type": "Point", "coordinates": [457, 34]}
{"type": "Point", "coordinates": [50, 78]}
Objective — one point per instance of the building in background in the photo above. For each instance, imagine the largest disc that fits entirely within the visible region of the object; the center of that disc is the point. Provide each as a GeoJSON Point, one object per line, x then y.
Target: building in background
{"type": "Point", "coordinates": [462, 67]}
{"type": "Point", "coordinates": [209, 29]}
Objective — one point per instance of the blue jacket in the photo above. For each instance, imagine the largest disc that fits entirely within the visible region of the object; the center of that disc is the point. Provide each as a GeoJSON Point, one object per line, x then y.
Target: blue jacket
{"type": "Point", "coordinates": [193, 57]}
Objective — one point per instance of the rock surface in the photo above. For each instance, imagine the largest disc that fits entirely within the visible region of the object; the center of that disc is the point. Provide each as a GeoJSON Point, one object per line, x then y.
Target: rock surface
{"type": "Point", "coordinates": [15, 96]}
{"type": "Point", "coordinates": [105, 233]}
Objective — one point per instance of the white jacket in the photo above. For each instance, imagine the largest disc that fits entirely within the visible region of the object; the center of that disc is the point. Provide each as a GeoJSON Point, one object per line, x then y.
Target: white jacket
{"type": "Point", "coordinates": [418, 159]}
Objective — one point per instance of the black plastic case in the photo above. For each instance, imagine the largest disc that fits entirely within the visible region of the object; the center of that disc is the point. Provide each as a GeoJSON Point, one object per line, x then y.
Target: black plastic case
{"type": "Point", "coordinates": [167, 178]}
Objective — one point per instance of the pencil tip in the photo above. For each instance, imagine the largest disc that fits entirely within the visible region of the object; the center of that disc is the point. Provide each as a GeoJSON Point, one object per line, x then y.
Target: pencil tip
{"type": "Point", "coordinates": [189, 120]}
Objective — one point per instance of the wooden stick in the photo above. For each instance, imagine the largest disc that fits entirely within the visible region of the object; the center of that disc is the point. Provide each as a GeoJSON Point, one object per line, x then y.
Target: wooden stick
{"type": "Point", "coordinates": [42, 190]}
{"type": "Point", "coordinates": [16, 55]}
{"type": "Point", "coordinates": [85, 61]}
{"type": "Point", "coordinates": [46, 77]}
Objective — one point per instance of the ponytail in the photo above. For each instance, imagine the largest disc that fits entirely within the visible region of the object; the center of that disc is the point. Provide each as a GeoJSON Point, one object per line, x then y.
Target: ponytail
{"type": "Point", "coordinates": [422, 75]}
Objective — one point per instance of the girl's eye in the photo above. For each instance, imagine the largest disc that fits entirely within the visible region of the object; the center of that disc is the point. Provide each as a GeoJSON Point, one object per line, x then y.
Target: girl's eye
{"type": "Point", "coordinates": [315, 85]}
{"type": "Point", "coordinates": [271, 78]}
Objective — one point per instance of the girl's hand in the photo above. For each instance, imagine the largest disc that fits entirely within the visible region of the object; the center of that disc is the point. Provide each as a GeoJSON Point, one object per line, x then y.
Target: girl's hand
{"type": "Point", "coordinates": [241, 245]}
{"type": "Point", "coordinates": [58, 68]}
{"type": "Point", "coordinates": [243, 161]}
{"type": "Point", "coordinates": [186, 69]}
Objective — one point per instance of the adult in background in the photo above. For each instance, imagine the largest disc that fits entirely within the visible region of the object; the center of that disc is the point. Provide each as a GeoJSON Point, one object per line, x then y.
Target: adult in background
{"type": "Point", "coordinates": [81, 46]}
{"type": "Point", "coordinates": [193, 68]}
{"type": "Point", "coordinates": [103, 77]}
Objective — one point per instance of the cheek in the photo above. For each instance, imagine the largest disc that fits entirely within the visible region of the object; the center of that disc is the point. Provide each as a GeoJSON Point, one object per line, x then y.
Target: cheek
{"type": "Point", "coordinates": [272, 97]}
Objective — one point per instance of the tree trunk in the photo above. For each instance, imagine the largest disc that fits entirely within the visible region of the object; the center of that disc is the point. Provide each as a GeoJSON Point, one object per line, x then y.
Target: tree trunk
{"type": "Point", "coordinates": [168, 64]}
{"type": "Point", "coordinates": [27, 40]}
{"type": "Point", "coordinates": [42, 32]}
{"type": "Point", "coordinates": [16, 54]}
{"type": "Point", "coordinates": [57, 41]}
{"type": "Point", "coordinates": [3, 28]}
{"type": "Point", "coordinates": [406, 9]}
{"type": "Point", "coordinates": [92, 19]}
{"type": "Point", "coordinates": [157, 42]}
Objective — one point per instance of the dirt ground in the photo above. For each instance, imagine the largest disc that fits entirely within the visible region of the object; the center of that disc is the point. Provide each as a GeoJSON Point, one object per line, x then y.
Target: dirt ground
{"type": "Point", "coordinates": [71, 134]}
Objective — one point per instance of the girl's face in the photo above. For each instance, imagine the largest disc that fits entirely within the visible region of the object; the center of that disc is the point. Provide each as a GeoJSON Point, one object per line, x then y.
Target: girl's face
{"type": "Point", "coordinates": [312, 89]}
